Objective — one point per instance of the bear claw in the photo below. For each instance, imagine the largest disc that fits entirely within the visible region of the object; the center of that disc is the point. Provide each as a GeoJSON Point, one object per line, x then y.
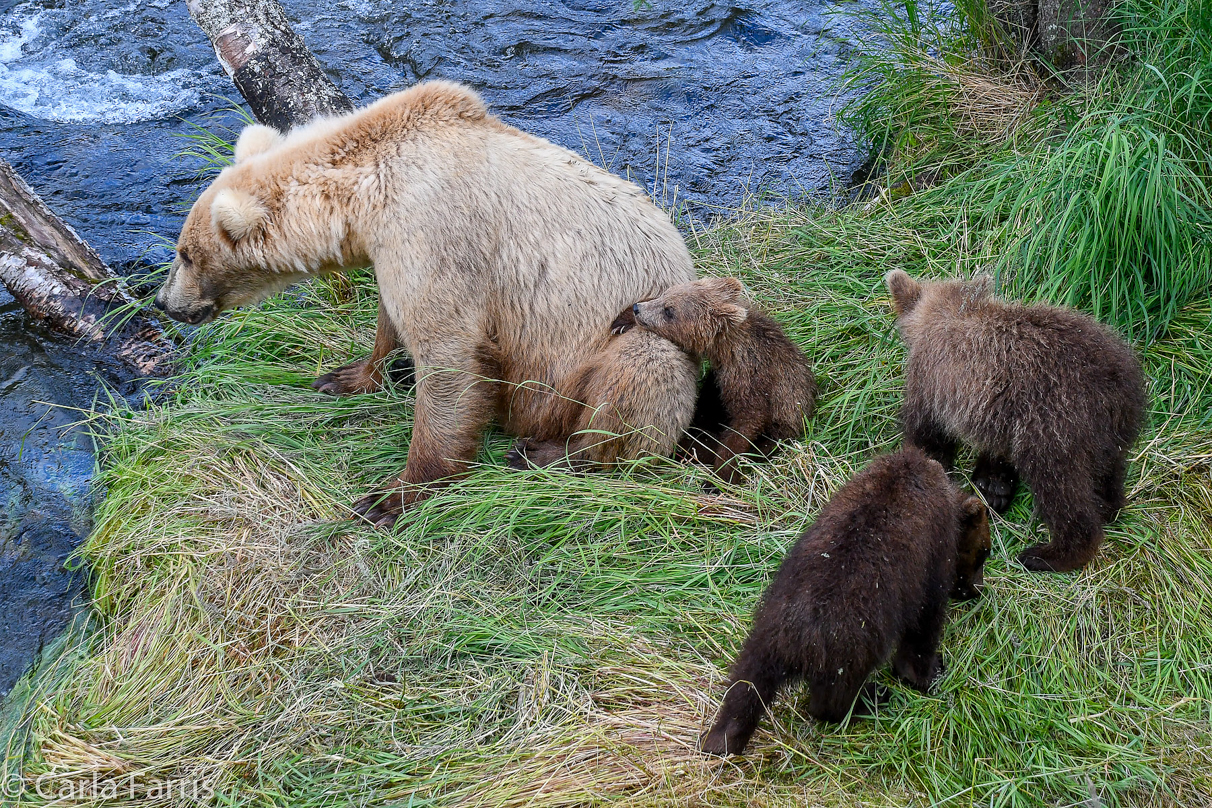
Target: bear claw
{"type": "Point", "coordinates": [347, 380]}
{"type": "Point", "coordinates": [379, 509]}
{"type": "Point", "coordinates": [623, 323]}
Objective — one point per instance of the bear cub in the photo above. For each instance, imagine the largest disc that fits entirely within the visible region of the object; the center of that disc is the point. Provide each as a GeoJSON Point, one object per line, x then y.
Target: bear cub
{"type": "Point", "coordinates": [1040, 391]}
{"type": "Point", "coordinates": [871, 576]}
{"type": "Point", "coordinates": [762, 379]}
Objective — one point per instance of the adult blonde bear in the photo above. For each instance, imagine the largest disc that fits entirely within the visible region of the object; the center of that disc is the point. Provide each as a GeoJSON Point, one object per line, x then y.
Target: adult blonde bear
{"type": "Point", "coordinates": [501, 261]}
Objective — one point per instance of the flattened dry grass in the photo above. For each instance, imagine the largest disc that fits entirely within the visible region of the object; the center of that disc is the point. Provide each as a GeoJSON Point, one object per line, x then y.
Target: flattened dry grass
{"type": "Point", "coordinates": [542, 639]}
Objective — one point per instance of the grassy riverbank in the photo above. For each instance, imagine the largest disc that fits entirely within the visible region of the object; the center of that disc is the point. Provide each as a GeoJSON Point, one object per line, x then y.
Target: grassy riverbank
{"type": "Point", "coordinates": [545, 639]}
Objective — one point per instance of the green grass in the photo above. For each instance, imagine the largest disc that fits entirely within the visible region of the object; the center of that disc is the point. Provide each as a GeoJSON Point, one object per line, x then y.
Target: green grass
{"type": "Point", "coordinates": [548, 639]}
{"type": "Point", "coordinates": [545, 639]}
{"type": "Point", "coordinates": [1105, 187]}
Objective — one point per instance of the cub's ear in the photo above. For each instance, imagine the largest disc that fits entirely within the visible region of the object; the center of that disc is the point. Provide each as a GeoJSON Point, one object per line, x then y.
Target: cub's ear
{"type": "Point", "coordinates": [728, 288]}
{"type": "Point", "coordinates": [981, 286]}
{"type": "Point", "coordinates": [905, 291]}
{"type": "Point", "coordinates": [256, 139]}
{"type": "Point", "coordinates": [237, 213]}
{"type": "Point", "coordinates": [731, 313]}
{"type": "Point", "coordinates": [972, 509]}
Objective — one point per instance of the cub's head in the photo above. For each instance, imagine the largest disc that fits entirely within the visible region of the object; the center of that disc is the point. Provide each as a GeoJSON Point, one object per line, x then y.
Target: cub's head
{"type": "Point", "coordinates": [694, 315]}
{"type": "Point", "coordinates": [917, 302]}
{"type": "Point", "coordinates": [972, 548]}
{"type": "Point", "coordinates": [224, 256]}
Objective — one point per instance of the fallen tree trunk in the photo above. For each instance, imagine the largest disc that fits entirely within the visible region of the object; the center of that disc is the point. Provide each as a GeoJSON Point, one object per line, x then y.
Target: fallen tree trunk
{"type": "Point", "coordinates": [59, 279]}
{"type": "Point", "coordinates": [268, 62]}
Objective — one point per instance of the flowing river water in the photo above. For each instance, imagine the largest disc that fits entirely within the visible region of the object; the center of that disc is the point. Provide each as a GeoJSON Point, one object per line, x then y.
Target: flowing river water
{"type": "Point", "coordinates": [701, 102]}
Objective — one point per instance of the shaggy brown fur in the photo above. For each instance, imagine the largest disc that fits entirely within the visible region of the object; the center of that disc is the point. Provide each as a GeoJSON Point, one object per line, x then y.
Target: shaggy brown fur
{"type": "Point", "coordinates": [500, 260]}
{"type": "Point", "coordinates": [763, 380]}
{"type": "Point", "coordinates": [872, 575]}
{"type": "Point", "coordinates": [1040, 391]}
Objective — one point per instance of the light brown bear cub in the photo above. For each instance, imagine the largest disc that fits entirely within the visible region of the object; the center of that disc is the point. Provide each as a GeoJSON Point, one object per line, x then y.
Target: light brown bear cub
{"type": "Point", "coordinates": [765, 385]}
{"type": "Point", "coordinates": [1041, 391]}
{"type": "Point", "coordinates": [637, 373]}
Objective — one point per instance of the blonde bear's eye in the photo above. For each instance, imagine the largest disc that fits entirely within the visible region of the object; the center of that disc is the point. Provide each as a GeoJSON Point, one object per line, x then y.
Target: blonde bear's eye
{"type": "Point", "coordinates": [668, 313]}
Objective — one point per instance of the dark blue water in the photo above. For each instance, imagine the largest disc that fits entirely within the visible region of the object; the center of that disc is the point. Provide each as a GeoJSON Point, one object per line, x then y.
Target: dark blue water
{"type": "Point", "coordinates": [46, 464]}
{"type": "Point", "coordinates": [703, 103]}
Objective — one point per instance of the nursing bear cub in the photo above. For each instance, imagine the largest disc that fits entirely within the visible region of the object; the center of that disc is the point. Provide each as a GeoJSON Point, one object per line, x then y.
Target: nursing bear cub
{"type": "Point", "coordinates": [1040, 391]}
{"type": "Point", "coordinates": [765, 387]}
{"type": "Point", "coordinates": [871, 576]}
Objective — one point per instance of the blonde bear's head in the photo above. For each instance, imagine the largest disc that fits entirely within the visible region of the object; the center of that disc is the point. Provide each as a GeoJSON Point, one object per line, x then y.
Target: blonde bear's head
{"type": "Point", "coordinates": [290, 208]}
{"type": "Point", "coordinates": [224, 258]}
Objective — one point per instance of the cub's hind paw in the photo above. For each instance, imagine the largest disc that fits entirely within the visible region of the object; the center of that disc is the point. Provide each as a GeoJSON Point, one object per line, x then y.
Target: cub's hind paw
{"type": "Point", "coordinates": [1044, 558]}
{"type": "Point", "coordinates": [535, 454]}
{"type": "Point", "coordinates": [715, 743]}
{"type": "Point", "coordinates": [403, 372]}
{"type": "Point", "coordinates": [728, 736]}
{"type": "Point", "coordinates": [996, 479]}
{"type": "Point", "coordinates": [919, 672]}
{"type": "Point", "coordinates": [1033, 561]}
{"type": "Point", "coordinates": [998, 493]}
{"type": "Point", "coordinates": [516, 458]}
{"type": "Point", "coordinates": [871, 697]}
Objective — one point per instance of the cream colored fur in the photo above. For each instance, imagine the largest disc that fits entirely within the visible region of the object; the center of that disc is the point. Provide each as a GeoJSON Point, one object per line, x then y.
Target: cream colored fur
{"type": "Point", "coordinates": [254, 140]}
{"type": "Point", "coordinates": [238, 214]}
{"type": "Point", "coordinates": [497, 254]}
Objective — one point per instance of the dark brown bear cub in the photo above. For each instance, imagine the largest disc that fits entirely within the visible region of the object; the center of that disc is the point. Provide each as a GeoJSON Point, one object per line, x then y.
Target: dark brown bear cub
{"type": "Point", "coordinates": [763, 380]}
{"type": "Point", "coordinates": [871, 576]}
{"type": "Point", "coordinates": [1040, 391]}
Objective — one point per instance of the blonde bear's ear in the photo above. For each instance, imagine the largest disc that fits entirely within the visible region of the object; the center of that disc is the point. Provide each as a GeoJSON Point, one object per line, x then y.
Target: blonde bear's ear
{"type": "Point", "coordinates": [905, 291]}
{"type": "Point", "coordinates": [237, 213]}
{"type": "Point", "coordinates": [256, 139]}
